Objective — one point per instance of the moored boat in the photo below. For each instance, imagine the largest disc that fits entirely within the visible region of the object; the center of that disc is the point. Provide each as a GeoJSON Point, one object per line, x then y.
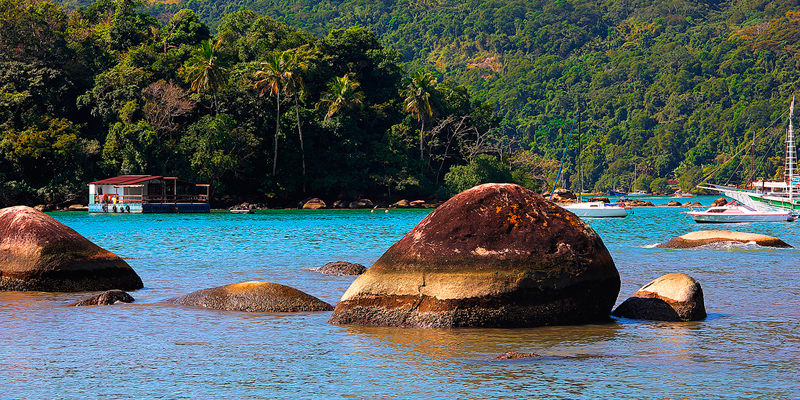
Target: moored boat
{"type": "Point", "coordinates": [770, 196]}
{"type": "Point", "coordinates": [736, 212]}
{"type": "Point", "coordinates": [597, 209]}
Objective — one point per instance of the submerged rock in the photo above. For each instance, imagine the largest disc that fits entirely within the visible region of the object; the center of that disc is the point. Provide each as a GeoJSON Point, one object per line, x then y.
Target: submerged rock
{"type": "Point", "coordinates": [497, 255]}
{"type": "Point", "coordinates": [39, 253]}
{"type": "Point", "coordinates": [254, 297]}
{"type": "Point", "coordinates": [106, 298]}
{"type": "Point", "coordinates": [701, 238]}
{"type": "Point", "coordinates": [513, 355]}
{"type": "Point", "coordinates": [672, 297]}
{"type": "Point", "coordinates": [341, 268]}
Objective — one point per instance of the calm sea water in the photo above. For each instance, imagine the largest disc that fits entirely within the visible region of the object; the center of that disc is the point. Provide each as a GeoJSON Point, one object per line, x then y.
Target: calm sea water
{"type": "Point", "coordinates": [749, 347]}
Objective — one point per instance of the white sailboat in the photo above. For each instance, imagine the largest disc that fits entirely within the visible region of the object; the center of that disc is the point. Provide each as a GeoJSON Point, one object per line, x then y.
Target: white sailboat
{"type": "Point", "coordinates": [771, 196]}
{"type": "Point", "coordinates": [593, 209]}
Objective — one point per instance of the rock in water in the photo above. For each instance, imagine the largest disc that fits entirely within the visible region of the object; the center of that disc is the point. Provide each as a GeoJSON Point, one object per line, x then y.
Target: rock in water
{"type": "Point", "coordinates": [39, 253]}
{"type": "Point", "coordinates": [106, 298]}
{"type": "Point", "coordinates": [341, 268]}
{"type": "Point", "coordinates": [701, 238]}
{"type": "Point", "coordinates": [497, 255]}
{"type": "Point", "coordinates": [672, 297]}
{"type": "Point", "coordinates": [254, 297]}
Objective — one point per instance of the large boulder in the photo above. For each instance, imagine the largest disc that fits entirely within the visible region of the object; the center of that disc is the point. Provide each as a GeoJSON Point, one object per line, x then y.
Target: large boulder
{"type": "Point", "coordinates": [39, 253]}
{"type": "Point", "coordinates": [719, 202]}
{"type": "Point", "coordinates": [497, 255]}
{"type": "Point", "coordinates": [672, 297]}
{"type": "Point", "coordinates": [701, 238]}
{"type": "Point", "coordinates": [254, 297]}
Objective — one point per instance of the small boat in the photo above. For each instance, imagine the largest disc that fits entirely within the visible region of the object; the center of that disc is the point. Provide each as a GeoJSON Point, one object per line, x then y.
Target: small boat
{"type": "Point", "coordinates": [242, 211]}
{"type": "Point", "coordinates": [597, 209]}
{"type": "Point", "coordinates": [682, 195]}
{"type": "Point", "coordinates": [638, 193]}
{"type": "Point", "coordinates": [617, 193]}
{"type": "Point", "coordinates": [737, 212]}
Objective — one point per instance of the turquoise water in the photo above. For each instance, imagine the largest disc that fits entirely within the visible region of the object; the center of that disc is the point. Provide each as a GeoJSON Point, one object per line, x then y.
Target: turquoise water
{"type": "Point", "coordinates": [749, 347]}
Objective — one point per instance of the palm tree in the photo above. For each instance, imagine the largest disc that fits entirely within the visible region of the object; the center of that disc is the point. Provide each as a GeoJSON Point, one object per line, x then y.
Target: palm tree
{"type": "Point", "coordinates": [272, 82]}
{"type": "Point", "coordinates": [417, 93]}
{"type": "Point", "coordinates": [205, 71]}
{"type": "Point", "coordinates": [342, 94]}
{"type": "Point", "coordinates": [296, 87]}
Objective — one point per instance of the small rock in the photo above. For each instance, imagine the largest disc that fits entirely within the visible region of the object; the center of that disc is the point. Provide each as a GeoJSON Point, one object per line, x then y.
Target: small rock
{"type": "Point", "coordinates": [674, 203]}
{"type": "Point", "coordinates": [339, 268]}
{"type": "Point", "coordinates": [672, 297]}
{"type": "Point", "coordinates": [417, 204]}
{"type": "Point", "coordinates": [341, 204]}
{"type": "Point", "coordinates": [603, 199]}
{"type": "Point", "coordinates": [43, 208]}
{"type": "Point", "coordinates": [401, 204]}
{"type": "Point", "coordinates": [78, 207]}
{"type": "Point", "coordinates": [362, 203]}
{"type": "Point", "coordinates": [106, 298]}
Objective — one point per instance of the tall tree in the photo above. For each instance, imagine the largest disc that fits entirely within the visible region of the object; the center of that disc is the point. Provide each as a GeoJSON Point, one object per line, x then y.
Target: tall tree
{"type": "Point", "coordinates": [205, 70]}
{"type": "Point", "coordinates": [295, 87]}
{"type": "Point", "coordinates": [272, 78]}
{"type": "Point", "coordinates": [342, 94]}
{"type": "Point", "coordinates": [417, 94]}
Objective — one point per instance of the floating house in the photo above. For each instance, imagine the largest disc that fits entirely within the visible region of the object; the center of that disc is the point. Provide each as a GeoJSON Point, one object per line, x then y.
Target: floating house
{"type": "Point", "coordinates": [147, 194]}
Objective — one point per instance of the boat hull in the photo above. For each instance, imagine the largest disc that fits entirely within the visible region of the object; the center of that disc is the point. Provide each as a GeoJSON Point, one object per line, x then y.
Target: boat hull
{"type": "Point", "coordinates": [718, 219]}
{"type": "Point", "coordinates": [597, 210]}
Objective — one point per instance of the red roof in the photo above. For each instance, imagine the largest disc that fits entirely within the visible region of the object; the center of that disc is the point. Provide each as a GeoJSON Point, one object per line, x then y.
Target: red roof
{"type": "Point", "coordinates": [125, 180]}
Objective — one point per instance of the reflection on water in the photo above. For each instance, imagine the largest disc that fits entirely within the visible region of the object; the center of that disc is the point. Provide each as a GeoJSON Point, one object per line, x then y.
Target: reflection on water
{"type": "Point", "coordinates": [749, 346]}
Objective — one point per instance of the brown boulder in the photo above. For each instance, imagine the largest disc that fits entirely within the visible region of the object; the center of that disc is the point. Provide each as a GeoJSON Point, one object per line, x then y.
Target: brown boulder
{"type": "Point", "coordinates": [78, 207]}
{"type": "Point", "coordinates": [106, 298]}
{"type": "Point", "coordinates": [637, 203]}
{"type": "Point", "coordinates": [719, 202]}
{"type": "Point", "coordinates": [672, 297]}
{"type": "Point", "coordinates": [39, 253]}
{"type": "Point", "coordinates": [497, 255]}
{"type": "Point", "coordinates": [418, 204]}
{"type": "Point", "coordinates": [254, 297]}
{"type": "Point", "coordinates": [563, 196]}
{"type": "Point", "coordinates": [341, 204]}
{"type": "Point", "coordinates": [701, 238]}
{"type": "Point", "coordinates": [363, 203]}
{"type": "Point", "coordinates": [600, 198]}
{"type": "Point", "coordinates": [402, 204]}
{"type": "Point", "coordinates": [313, 204]}
{"type": "Point", "coordinates": [674, 203]}
{"type": "Point", "coordinates": [341, 268]}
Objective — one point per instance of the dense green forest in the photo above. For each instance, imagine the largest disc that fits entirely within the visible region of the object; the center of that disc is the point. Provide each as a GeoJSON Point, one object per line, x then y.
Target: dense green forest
{"type": "Point", "coordinates": [276, 100]}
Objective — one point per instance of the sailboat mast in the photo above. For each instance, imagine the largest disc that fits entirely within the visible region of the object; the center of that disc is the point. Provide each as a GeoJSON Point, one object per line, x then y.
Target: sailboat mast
{"type": "Point", "coordinates": [580, 158]}
{"type": "Point", "coordinates": [790, 155]}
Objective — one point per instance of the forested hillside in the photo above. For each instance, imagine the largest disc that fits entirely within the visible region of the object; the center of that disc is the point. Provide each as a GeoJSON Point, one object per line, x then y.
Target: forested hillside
{"type": "Point", "coordinates": [285, 99]}
{"type": "Point", "coordinates": [665, 86]}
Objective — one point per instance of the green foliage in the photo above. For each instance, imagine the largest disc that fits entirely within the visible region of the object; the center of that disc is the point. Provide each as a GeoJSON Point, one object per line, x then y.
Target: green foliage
{"type": "Point", "coordinates": [664, 88]}
{"type": "Point", "coordinates": [483, 169]}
